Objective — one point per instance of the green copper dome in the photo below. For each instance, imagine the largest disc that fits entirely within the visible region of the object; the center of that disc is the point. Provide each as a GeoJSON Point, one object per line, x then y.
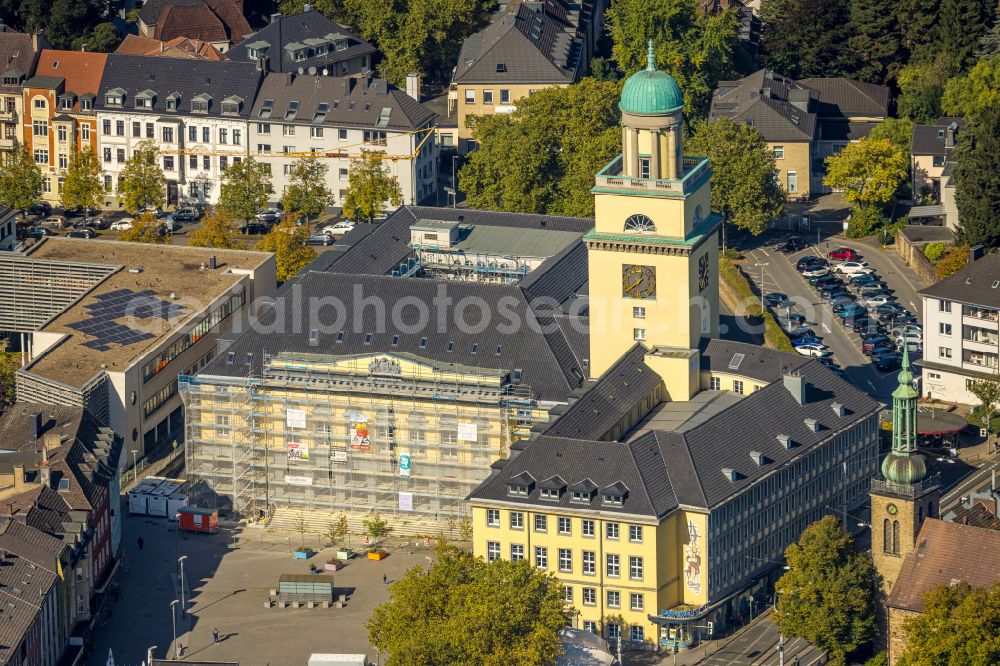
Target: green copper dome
{"type": "Point", "coordinates": [651, 92]}
{"type": "Point", "coordinates": [905, 468]}
{"type": "Point", "coordinates": [904, 465]}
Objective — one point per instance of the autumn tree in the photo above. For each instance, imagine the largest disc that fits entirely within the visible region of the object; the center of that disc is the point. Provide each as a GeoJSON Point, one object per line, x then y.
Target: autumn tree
{"type": "Point", "coordinates": [287, 241]}
{"type": "Point", "coordinates": [955, 260]}
{"type": "Point", "coordinates": [920, 88]}
{"type": "Point", "coordinates": [307, 192]}
{"type": "Point", "coordinates": [21, 181]}
{"type": "Point", "coordinates": [542, 157]}
{"type": "Point", "coordinates": [371, 188]}
{"type": "Point", "coordinates": [976, 91]}
{"type": "Point", "coordinates": [377, 527]}
{"type": "Point", "coordinates": [745, 188]}
{"type": "Point", "coordinates": [246, 187]}
{"type": "Point", "coordinates": [142, 183]}
{"type": "Point", "coordinates": [827, 594]}
{"type": "Point", "coordinates": [216, 230]}
{"type": "Point", "coordinates": [10, 363]}
{"type": "Point", "coordinates": [145, 229]}
{"type": "Point", "coordinates": [868, 172]}
{"type": "Point", "coordinates": [896, 130]}
{"type": "Point", "coordinates": [83, 186]}
{"type": "Point", "coordinates": [462, 611]}
{"type": "Point", "coordinates": [977, 180]}
{"type": "Point", "coordinates": [696, 48]}
{"type": "Point", "coordinates": [958, 625]}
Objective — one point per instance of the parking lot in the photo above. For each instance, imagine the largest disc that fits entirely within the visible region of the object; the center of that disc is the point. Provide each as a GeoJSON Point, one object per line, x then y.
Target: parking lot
{"type": "Point", "coordinates": [772, 267]}
{"type": "Point", "coordinates": [226, 587]}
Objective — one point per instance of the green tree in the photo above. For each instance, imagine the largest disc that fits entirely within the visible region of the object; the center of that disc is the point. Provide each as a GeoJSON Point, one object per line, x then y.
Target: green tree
{"type": "Point", "coordinates": [104, 38]}
{"type": "Point", "coordinates": [287, 241]}
{"type": "Point", "coordinates": [465, 611]}
{"type": "Point", "coordinates": [10, 363]}
{"type": "Point", "coordinates": [542, 157]}
{"type": "Point", "coordinates": [827, 595]}
{"type": "Point", "coordinates": [371, 188]}
{"type": "Point", "coordinates": [216, 230]}
{"type": "Point", "coordinates": [307, 192]}
{"type": "Point", "coordinates": [145, 229]}
{"type": "Point", "coordinates": [957, 626]}
{"type": "Point", "coordinates": [376, 527]}
{"type": "Point", "coordinates": [802, 39]}
{"type": "Point", "coordinates": [920, 89]}
{"type": "Point", "coordinates": [603, 69]}
{"type": "Point", "coordinates": [869, 172]}
{"type": "Point", "coordinates": [919, 19]}
{"type": "Point", "coordinates": [977, 180]}
{"type": "Point", "coordinates": [935, 251]}
{"type": "Point", "coordinates": [745, 187]}
{"type": "Point", "coordinates": [246, 186]}
{"type": "Point", "coordinates": [142, 183]}
{"type": "Point", "coordinates": [695, 48]}
{"type": "Point", "coordinates": [337, 530]}
{"type": "Point", "coordinates": [978, 90]}
{"type": "Point", "coordinates": [987, 391]}
{"type": "Point", "coordinates": [84, 184]}
{"type": "Point", "coordinates": [21, 181]}
{"type": "Point", "coordinates": [61, 20]}
{"type": "Point", "coordinates": [989, 44]}
{"type": "Point", "coordinates": [961, 24]}
{"type": "Point", "coordinates": [876, 40]}
{"type": "Point", "coordinates": [897, 130]}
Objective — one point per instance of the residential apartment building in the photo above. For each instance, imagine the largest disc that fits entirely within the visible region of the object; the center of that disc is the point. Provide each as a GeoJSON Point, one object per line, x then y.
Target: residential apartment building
{"type": "Point", "coordinates": [307, 43]}
{"type": "Point", "coordinates": [526, 46]}
{"type": "Point", "coordinates": [803, 122]}
{"type": "Point", "coordinates": [124, 322]}
{"type": "Point", "coordinates": [219, 22]}
{"type": "Point", "coordinates": [195, 111]}
{"type": "Point", "coordinates": [8, 229]}
{"type": "Point", "coordinates": [336, 118]}
{"type": "Point", "coordinates": [18, 56]}
{"type": "Point", "coordinates": [60, 116]}
{"type": "Point", "coordinates": [962, 330]}
{"type": "Point", "coordinates": [932, 160]}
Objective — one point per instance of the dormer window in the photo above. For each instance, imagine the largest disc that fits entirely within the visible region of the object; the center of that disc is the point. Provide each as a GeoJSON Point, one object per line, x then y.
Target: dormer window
{"type": "Point", "coordinates": [232, 105]}
{"type": "Point", "coordinates": [613, 500]}
{"type": "Point", "coordinates": [200, 103]}
{"type": "Point", "coordinates": [292, 110]}
{"type": "Point", "coordinates": [517, 489]}
{"type": "Point", "coordinates": [550, 493]}
{"type": "Point", "coordinates": [520, 484]}
{"type": "Point", "coordinates": [580, 496]}
{"type": "Point", "coordinates": [582, 492]}
{"type": "Point", "coordinates": [66, 103]}
{"type": "Point", "coordinates": [114, 97]}
{"type": "Point", "coordinates": [551, 488]}
{"type": "Point", "coordinates": [10, 81]}
{"type": "Point", "coordinates": [342, 45]}
{"type": "Point", "coordinates": [145, 99]}
{"type": "Point", "coordinates": [173, 101]}
{"type": "Point", "coordinates": [86, 104]}
{"type": "Point", "coordinates": [614, 495]}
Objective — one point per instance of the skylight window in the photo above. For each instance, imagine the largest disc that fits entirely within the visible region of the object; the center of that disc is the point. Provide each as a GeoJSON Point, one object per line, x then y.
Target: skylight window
{"type": "Point", "coordinates": [735, 362]}
{"type": "Point", "coordinates": [368, 338]}
{"type": "Point", "coordinates": [265, 111]}
{"type": "Point", "coordinates": [250, 358]}
{"type": "Point", "coordinates": [313, 335]}
{"type": "Point", "coordinates": [475, 347]}
{"type": "Point", "coordinates": [395, 340]}
{"type": "Point", "coordinates": [423, 343]}
{"type": "Point", "coordinates": [451, 345]}
{"type": "Point", "coordinates": [321, 112]}
{"type": "Point", "coordinates": [293, 109]}
{"type": "Point", "coordinates": [230, 358]}
{"type": "Point", "coordinates": [340, 336]}
{"type": "Point", "coordinates": [501, 67]}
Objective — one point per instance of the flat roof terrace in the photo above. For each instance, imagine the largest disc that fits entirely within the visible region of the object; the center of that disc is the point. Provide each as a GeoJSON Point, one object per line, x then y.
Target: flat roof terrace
{"type": "Point", "coordinates": [154, 290]}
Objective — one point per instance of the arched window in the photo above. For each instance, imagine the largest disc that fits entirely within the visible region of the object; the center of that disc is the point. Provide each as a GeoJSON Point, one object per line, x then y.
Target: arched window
{"type": "Point", "coordinates": [640, 224]}
{"type": "Point", "coordinates": [886, 536]}
{"type": "Point", "coordinates": [697, 215]}
{"type": "Point", "coordinates": [895, 537]}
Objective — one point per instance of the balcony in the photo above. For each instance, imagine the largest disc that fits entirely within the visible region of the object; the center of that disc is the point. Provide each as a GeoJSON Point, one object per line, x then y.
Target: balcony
{"type": "Point", "coordinates": [610, 177]}
{"type": "Point", "coordinates": [906, 489]}
{"type": "Point", "coordinates": [8, 116]}
{"type": "Point", "coordinates": [981, 317]}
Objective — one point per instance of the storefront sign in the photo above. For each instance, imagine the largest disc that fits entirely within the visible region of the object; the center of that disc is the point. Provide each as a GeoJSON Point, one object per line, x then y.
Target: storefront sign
{"type": "Point", "coordinates": [338, 455]}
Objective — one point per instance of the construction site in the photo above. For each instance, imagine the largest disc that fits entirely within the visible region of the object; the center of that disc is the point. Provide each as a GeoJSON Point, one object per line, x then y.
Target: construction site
{"type": "Point", "coordinates": [314, 435]}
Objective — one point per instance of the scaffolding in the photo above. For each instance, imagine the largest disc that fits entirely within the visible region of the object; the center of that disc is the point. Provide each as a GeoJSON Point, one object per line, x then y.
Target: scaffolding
{"type": "Point", "coordinates": [328, 434]}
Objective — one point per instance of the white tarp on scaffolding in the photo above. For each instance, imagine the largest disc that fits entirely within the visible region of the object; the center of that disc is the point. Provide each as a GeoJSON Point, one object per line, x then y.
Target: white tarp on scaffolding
{"type": "Point", "coordinates": [406, 501]}
{"type": "Point", "coordinates": [298, 480]}
{"type": "Point", "coordinates": [467, 432]}
{"type": "Point", "coordinates": [295, 418]}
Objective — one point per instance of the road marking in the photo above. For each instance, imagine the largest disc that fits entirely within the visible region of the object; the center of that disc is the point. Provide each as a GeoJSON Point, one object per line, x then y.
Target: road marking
{"type": "Point", "coordinates": [764, 252]}
{"type": "Point", "coordinates": [827, 328]}
{"type": "Point", "coordinates": [872, 385]}
{"type": "Point", "coordinates": [914, 306]}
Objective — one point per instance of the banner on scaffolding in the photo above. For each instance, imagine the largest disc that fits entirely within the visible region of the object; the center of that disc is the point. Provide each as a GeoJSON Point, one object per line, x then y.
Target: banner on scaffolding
{"type": "Point", "coordinates": [359, 432]}
{"type": "Point", "coordinates": [295, 418]}
{"type": "Point", "coordinates": [298, 451]}
{"type": "Point", "coordinates": [338, 455]}
{"type": "Point", "coordinates": [298, 480]}
{"type": "Point", "coordinates": [467, 432]}
{"type": "Point", "coordinates": [404, 465]}
{"type": "Point", "coordinates": [406, 501]}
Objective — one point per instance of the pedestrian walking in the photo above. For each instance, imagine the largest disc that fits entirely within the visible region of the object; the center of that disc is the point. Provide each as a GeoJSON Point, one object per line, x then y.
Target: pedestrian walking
{"type": "Point", "coordinates": [215, 635]}
{"type": "Point", "coordinates": [139, 542]}
{"type": "Point", "coordinates": [385, 579]}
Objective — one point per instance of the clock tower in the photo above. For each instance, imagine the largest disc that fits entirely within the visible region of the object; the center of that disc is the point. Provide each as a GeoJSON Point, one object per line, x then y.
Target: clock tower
{"type": "Point", "coordinates": [653, 253]}
{"type": "Point", "coordinates": [904, 496]}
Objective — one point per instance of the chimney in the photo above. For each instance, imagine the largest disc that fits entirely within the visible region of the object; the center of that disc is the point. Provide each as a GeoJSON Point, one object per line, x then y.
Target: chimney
{"type": "Point", "coordinates": [35, 425]}
{"type": "Point", "coordinates": [307, 7]}
{"type": "Point", "coordinates": [289, 77]}
{"type": "Point", "coordinates": [796, 385]}
{"type": "Point", "coordinates": [50, 442]}
{"type": "Point", "coordinates": [949, 136]}
{"type": "Point", "coordinates": [211, 262]}
{"type": "Point", "coordinates": [413, 85]}
{"type": "Point", "coordinates": [264, 64]}
{"type": "Point", "coordinates": [975, 253]}
{"type": "Point", "coordinates": [275, 16]}
{"type": "Point", "coordinates": [766, 92]}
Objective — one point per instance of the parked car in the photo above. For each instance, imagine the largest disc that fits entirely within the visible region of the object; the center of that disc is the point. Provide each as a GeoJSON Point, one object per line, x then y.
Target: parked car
{"type": "Point", "coordinates": [888, 311]}
{"type": "Point", "coordinates": [792, 245]}
{"type": "Point", "coordinates": [886, 362]}
{"type": "Point", "coordinates": [830, 286]}
{"type": "Point", "coordinates": [881, 348]}
{"type": "Point", "coordinates": [849, 311]}
{"type": "Point", "coordinates": [807, 340]}
{"type": "Point", "coordinates": [842, 299]}
{"type": "Point", "coordinates": [776, 299]}
{"type": "Point", "coordinates": [813, 350]}
{"type": "Point", "coordinates": [810, 260]}
{"type": "Point", "coordinates": [321, 239]}
{"type": "Point", "coordinates": [796, 332]}
{"type": "Point", "coordinates": [872, 301]}
{"type": "Point", "coordinates": [851, 267]}
{"type": "Point", "coordinates": [816, 271]}
{"type": "Point", "coordinates": [254, 228]}
{"type": "Point", "coordinates": [909, 329]}
{"type": "Point", "coordinates": [823, 279]}
{"type": "Point", "coordinates": [869, 342]}
{"type": "Point", "coordinates": [82, 233]}
{"type": "Point", "coordinates": [867, 325]}
{"type": "Point", "coordinates": [843, 254]}
{"type": "Point", "coordinates": [40, 209]}
{"type": "Point", "coordinates": [911, 345]}
{"type": "Point", "coordinates": [123, 224]}
{"type": "Point", "coordinates": [55, 222]}
{"type": "Point", "coordinates": [39, 232]}
{"type": "Point", "coordinates": [860, 279]}
{"type": "Point", "coordinates": [270, 215]}
{"type": "Point", "coordinates": [99, 223]}
{"type": "Point", "coordinates": [796, 318]}
{"type": "Point", "coordinates": [338, 229]}
{"type": "Point", "coordinates": [186, 214]}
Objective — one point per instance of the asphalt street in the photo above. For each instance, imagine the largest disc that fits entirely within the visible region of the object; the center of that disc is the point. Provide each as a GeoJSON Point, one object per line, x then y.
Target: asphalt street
{"type": "Point", "coordinates": [758, 645]}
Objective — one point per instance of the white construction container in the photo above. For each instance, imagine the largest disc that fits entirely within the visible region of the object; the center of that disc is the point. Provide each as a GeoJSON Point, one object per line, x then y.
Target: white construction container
{"type": "Point", "coordinates": [138, 496]}
{"type": "Point", "coordinates": [338, 660]}
{"type": "Point", "coordinates": [158, 498]}
{"type": "Point", "coordinates": [174, 504]}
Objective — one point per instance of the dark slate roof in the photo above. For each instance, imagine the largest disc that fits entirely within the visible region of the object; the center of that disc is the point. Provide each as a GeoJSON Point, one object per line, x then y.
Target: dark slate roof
{"type": "Point", "coordinates": [17, 52]}
{"type": "Point", "coordinates": [930, 139]}
{"type": "Point", "coordinates": [559, 277]}
{"type": "Point", "coordinates": [977, 515]}
{"type": "Point", "coordinates": [27, 573]}
{"type": "Point", "coordinates": [755, 362]}
{"type": "Point", "coordinates": [845, 130]}
{"type": "Point", "coordinates": [164, 76]}
{"type": "Point", "coordinates": [351, 102]}
{"type": "Point", "coordinates": [685, 468]}
{"type": "Point", "coordinates": [767, 101]}
{"type": "Point", "coordinates": [530, 43]}
{"type": "Point", "coordinates": [847, 98]}
{"type": "Point", "coordinates": [608, 399]}
{"type": "Point", "coordinates": [544, 356]}
{"type": "Point", "coordinates": [382, 250]}
{"type": "Point", "coordinates": [295, 29]}
{"type": "Point", "coordinates": [974, 284]}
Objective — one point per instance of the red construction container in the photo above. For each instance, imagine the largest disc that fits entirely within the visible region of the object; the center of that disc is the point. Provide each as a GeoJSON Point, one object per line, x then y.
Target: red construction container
{"type": "Point", "coordinates": [195, 519]}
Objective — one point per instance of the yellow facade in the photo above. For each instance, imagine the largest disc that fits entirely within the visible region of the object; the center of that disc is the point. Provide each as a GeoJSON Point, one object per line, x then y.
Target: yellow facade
{"type": "Point", "coordinates": [794, 159]}
{"type": "Point", "coordinates": [471, 100]}
{"type": "Point", "coordinates": [672, 556]}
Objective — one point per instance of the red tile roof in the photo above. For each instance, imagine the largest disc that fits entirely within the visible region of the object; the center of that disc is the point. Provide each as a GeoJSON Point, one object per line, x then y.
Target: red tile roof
{"type": "Point", "coordinates": [178, 47]}
{"type": "Point", "coordinates": [212, 20]}
{"type": "Point", "coordinates": [81, 71]}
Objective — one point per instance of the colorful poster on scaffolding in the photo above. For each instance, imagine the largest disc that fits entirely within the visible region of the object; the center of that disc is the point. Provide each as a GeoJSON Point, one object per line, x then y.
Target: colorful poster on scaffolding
{"type": "Point", "coordinates": [359, 432]}
{"type": "Point", "coordinates": [295, 418]}
{"type": "Point", "coordinates": [467, 432]}
{"type": "Point", "coordinates": [298, 451]}
{"type": "Point", "coordinates": [404, 465]}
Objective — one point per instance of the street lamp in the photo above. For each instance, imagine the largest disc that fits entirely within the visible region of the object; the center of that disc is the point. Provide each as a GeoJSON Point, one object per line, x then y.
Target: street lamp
{"type": "Point", "coordinates": [783, 565]}
{"type": "Point", "coordinates": [180, 561]}
{"type": "Point", "coordinates": [135, 469]}
{"type": "Point", "coordinates": [173, 618]}
{"type": "Point", "coordinates": [761, 286]}
{"type": "Point", "coordinates": [149, 653]}
{"type": "Point", "coordinates": [454, 182]}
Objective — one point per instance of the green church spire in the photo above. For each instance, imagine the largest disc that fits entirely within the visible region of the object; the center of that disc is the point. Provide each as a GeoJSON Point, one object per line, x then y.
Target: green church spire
{"type": "Point", "coordinates": [903, 464]}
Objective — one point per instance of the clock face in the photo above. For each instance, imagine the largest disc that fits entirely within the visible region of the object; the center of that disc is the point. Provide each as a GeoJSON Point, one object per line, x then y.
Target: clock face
{"type": "Point", "coordinates": [703, 271]}
{"type": "Point", "coordinates": [891, 509]}
{"type": "Point", "coordinates": [638, 281]}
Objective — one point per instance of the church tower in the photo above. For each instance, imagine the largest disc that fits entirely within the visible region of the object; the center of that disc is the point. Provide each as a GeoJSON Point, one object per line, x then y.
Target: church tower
{"type": "Point", "coordinates": [653, 253]}
{"type": "Point", "coordinates": [904, 496]}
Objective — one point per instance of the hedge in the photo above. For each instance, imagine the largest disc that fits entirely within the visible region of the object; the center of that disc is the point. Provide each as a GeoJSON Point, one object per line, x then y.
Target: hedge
{"type": "Point", "coordinates": [774, 336]}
